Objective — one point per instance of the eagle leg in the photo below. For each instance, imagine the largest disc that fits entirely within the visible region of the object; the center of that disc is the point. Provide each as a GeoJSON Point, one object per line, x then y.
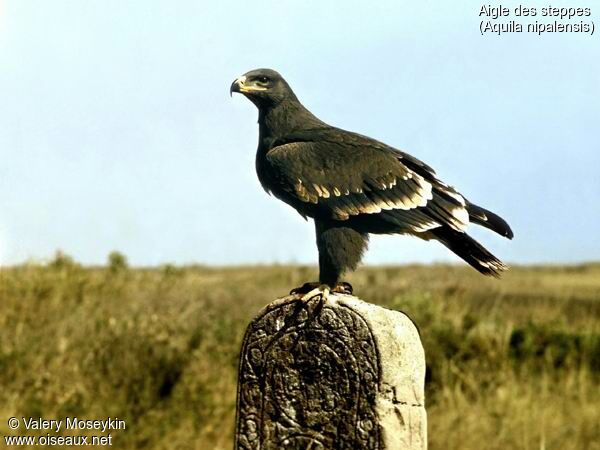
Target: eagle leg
{"type": "Point", "coordinates": [340, 250]}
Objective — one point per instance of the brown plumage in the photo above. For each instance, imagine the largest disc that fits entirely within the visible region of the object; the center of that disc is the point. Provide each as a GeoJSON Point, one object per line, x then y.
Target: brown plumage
{"type": "Point", "coordinates": [353, 186]}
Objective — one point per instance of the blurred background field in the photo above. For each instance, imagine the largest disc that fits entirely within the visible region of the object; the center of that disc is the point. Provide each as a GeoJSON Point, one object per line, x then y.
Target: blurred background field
{"type": "Point", "coordinates": [512, 363]}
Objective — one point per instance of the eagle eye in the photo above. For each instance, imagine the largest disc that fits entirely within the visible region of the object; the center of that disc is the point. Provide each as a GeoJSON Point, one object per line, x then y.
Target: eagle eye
{"type": "Point", "coordinates": [263, 79]}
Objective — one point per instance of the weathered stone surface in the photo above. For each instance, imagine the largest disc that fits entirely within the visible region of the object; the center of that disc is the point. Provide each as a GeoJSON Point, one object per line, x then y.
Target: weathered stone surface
{"type": "Point", "coordinates": [340, 374]}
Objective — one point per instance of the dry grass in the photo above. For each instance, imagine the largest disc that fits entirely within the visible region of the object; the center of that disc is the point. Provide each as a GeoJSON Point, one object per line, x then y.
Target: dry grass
{"type": "Point", "coordinates": [513, 364]}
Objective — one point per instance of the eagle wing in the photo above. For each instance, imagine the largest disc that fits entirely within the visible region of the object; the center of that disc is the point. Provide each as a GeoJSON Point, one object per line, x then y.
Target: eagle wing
{"type": "Point", "coordinates": [346, 174]}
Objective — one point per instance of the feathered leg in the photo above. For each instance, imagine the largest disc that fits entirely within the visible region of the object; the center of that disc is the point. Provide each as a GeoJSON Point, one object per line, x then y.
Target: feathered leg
{"type": "Point", "coordinates": [340, 250]}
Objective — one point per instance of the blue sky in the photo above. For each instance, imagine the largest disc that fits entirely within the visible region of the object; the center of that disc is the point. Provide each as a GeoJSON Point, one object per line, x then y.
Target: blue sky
{"type": "Point", "coordinates": [117, 130]}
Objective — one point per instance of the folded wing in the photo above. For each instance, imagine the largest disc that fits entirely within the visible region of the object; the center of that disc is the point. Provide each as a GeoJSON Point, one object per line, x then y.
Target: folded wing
{"type": "Point", "coordinates": [344, 175]}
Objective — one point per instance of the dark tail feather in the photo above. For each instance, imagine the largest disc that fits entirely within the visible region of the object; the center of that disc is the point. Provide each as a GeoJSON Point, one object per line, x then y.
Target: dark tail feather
{"type": "Point", "coordinates": [470, 250]}
{"type": "Point", "coordinates": [488, 219]}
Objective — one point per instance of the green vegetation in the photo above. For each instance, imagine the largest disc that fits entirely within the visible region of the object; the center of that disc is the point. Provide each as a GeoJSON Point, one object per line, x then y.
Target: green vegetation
{"type": "Point", "coordinates": [117, 262]}
{"type": "Point", "coordinates": [512, 364]}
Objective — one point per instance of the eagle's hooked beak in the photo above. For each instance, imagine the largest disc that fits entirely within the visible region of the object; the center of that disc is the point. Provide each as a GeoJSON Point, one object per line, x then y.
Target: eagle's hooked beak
{"type": "Point", "coordinates": [237, 85]}
{"type": "Point", "coordinates": [243, 86]}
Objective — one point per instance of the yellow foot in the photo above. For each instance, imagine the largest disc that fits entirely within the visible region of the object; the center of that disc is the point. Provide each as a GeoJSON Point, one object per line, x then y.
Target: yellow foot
{"type": "Point", "coordinates": [305, 288]}
{"type": "Point", "coordinates": [343, 288]}
{"type": "Point", "coordinates": [322, 291]}
{"type": "Point", "coordinates": [308, 290]}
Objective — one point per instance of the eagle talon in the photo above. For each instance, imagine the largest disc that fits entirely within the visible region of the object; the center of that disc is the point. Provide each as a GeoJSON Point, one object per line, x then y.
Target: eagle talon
{"type": "Point", "coordinates": [311, 290]}
{"type": "Point", "coordinates": [343, 288]}
{"type": "Point", "coordinates": [305, 288]}
{"type": "Point", "coordinates": [322, 292]}
{"type": "Point", "coordinates": [312, 287]}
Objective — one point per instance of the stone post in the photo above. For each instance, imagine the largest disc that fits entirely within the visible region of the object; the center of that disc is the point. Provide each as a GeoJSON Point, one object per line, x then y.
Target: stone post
{"type": "Point", "coordinates": [328, 375]}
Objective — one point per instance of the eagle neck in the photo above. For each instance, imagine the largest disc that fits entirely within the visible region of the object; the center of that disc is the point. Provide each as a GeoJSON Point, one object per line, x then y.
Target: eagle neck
{"type": "Point", "coordinates": [282, 120]}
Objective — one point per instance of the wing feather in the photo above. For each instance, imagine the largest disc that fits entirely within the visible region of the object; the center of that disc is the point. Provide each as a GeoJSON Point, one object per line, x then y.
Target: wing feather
{"type": "Point", "coordinates": [351, 176]}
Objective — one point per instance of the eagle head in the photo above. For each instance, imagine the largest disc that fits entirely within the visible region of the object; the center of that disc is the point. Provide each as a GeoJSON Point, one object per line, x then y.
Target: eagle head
{"type": "Point", "coordinates": [263, 87]}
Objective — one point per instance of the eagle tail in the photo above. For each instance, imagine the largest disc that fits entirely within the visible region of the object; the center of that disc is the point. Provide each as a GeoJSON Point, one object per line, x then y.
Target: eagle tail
{"type": "Point", "coordinates": [489, 220]}
{"type": "Point", "coordinates": [470, 250]}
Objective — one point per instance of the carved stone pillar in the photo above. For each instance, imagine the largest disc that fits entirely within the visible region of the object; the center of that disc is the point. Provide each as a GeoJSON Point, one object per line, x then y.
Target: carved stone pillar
{"type": "Point", "coordinates": [339, 374]}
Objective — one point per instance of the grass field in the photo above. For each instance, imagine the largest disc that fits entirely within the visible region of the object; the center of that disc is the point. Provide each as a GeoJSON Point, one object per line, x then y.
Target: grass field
{"type": "Point", "coordinates": [512, 363]}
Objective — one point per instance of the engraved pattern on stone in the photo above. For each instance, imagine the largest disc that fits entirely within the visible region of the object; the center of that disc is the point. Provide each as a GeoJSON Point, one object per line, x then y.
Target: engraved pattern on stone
{"type": "Point", "coordinates": [309, 377]}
